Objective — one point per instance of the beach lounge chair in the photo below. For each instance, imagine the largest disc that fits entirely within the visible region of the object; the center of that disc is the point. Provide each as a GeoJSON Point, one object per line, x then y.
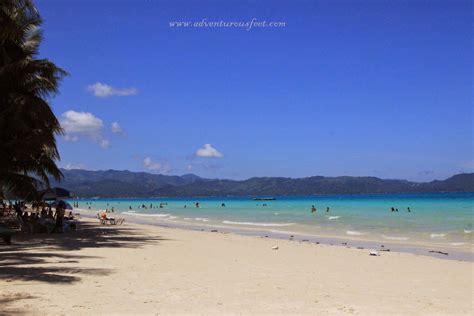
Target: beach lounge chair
{"type": "Point", "coordinates": [69, 224]}
{"type": "Point", "coordinates": [104, 220]}
{"type": "Point", "coordinates": [47, 223]}
{"type": "Point", "coordinates": [24, 225]}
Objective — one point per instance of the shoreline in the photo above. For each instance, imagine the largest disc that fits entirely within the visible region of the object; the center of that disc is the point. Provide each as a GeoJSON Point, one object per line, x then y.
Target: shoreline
{"type": "Point", "coordinates": [381, 246]}
{"type": "Point", "coordinates": [148, 269]}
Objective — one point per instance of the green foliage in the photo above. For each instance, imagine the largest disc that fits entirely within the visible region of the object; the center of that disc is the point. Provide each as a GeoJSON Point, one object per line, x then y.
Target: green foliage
{"type": "Point", "coordinates": [113, 183]}
{"type": "Point", "coordinates": [27, 123]}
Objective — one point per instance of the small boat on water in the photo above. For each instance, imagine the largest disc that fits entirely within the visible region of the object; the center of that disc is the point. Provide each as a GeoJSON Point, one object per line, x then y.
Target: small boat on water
{"type": "Point", "coordinates": [264, 199]}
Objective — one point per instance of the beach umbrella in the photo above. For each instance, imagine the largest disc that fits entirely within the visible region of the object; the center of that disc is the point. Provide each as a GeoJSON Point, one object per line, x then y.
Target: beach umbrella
{"type": "Point", "coordinates": [54, 194]}
{"type": "Point", "coordinates": [64, 204]}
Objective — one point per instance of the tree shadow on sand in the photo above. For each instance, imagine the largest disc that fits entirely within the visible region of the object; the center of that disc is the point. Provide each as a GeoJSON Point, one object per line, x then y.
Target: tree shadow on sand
{"type": "Point", "coordinates": [45, 258]}
{"type": "Point", "coordinates": [7, 299]}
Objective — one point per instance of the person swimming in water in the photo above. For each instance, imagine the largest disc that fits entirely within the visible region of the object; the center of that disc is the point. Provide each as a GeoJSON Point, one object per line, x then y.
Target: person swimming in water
{"type": "Point", "coordinates": [408, 209]}
{"type": "Point", "coordinates": [313, 209]}
{"type": "Point", "coordinates": [223, 205]}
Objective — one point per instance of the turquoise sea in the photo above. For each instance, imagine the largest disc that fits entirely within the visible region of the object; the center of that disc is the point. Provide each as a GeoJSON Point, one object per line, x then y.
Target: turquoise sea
{"type": "Point", "coordinates": [437, 219]}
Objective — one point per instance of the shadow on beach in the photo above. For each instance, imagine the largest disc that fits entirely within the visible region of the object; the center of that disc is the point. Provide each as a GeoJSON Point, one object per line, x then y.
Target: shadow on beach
{"type": "Point", "coordinates": [51, 258]}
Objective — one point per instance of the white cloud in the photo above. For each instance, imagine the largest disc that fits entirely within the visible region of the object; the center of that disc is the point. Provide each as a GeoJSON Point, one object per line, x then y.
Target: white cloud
{"type": "Point", "coordinates": [156, 166]}
{"type": "Point", "coordinates": [468, 165]}
{"type": "Point", "coordinates": [102, 90]}
{"type": "Point", "coordinates": [208, 151]}
{"type": "Point", "coordinates": [71, 138]}
{"type": "Point", "coordinates": [116, 128]}
{"type": "Point", "coordinates": [83, 124]}
{"type": "Point", "coordinates": [104, 143]}
{"type": "Point", "coordinates": [70, 166]}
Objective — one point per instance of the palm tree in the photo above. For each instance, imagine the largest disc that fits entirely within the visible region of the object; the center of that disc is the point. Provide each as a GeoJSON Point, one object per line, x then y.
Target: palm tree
{"type": "Point", "coordinates": [27, 123]}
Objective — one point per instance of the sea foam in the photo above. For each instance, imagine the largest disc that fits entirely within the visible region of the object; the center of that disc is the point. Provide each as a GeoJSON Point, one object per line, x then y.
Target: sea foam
{"type": "Point", "coordinates": [355, 233]}
{"type": "Point", "coordinates": [146, 215]}
{"type": "Point", "coordinates": [437, 236]}
{"type": "Point", "coordinates": [258, 224]}
{"type": "Point", "coordinates": [395, 238]}
{"type": "Point", "coordinates": [201, 219]}
{"type": "Point", "coordinates": [333, 217]}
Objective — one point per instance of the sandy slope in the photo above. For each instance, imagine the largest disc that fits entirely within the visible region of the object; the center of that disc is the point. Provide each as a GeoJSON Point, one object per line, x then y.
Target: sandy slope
{"type": "Point", "coordinates": [134, 269]}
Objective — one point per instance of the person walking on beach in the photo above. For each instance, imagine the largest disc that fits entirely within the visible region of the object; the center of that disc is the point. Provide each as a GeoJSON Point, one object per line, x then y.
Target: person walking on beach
{"type": "Point", "coordinates": [60, 209]}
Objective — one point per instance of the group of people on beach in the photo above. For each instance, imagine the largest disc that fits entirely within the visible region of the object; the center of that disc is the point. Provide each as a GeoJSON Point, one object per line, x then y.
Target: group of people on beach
{"type": "Point", "coordinates": [39, 215]}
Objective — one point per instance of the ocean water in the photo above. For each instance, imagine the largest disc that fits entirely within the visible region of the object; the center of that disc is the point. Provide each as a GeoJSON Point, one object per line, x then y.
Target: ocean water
{"type": "Point", "coordinates": [445, 219]}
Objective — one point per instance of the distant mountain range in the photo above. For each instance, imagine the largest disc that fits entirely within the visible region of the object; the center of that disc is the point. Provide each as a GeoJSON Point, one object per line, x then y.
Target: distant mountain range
{"type": "Point", "coordinates": [114, 183]}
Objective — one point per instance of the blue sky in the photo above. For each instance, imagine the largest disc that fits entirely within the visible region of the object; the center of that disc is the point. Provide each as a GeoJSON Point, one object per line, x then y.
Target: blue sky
{"type": "Point", "coordinates": [378, 88]}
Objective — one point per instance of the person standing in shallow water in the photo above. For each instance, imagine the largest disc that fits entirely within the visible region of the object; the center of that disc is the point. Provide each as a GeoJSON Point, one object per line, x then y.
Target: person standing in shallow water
{"type": "Point", "coordinates": [327, 209]}
{"type": "Point", "coordinates": [313, 209]}
{"type": "Point", "coordinates": [408, 209]}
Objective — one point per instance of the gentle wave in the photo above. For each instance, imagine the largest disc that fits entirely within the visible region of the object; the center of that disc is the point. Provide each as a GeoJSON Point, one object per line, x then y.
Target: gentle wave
{"type": "Point", "coordinates": [146, 215]}
{"type": "Point", "coordinates": [258, 224]}
{"type": "Point", "coordinates": [457, 243]}
{"type": "Point", "coordinates": [467, 231]}
{"type": "Point", "coordinates": [355, 233]}
{"type": "Point", "coordinates": [201, 219]}
{"type": "Point", "coordinates": [395, 238]}
{"type": "Point", "coordinates": [333, 217]}
{"type": "Point", "coordinates": [437, 236]}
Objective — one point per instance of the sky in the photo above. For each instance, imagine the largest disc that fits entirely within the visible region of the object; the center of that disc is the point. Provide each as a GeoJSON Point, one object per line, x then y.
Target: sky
{"type": "Point", "coordinates": [361, 88]}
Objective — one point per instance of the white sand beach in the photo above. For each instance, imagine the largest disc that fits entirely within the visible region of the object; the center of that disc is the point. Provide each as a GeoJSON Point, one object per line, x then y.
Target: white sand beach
{"type": "Point", "coordinates": [142, 269]}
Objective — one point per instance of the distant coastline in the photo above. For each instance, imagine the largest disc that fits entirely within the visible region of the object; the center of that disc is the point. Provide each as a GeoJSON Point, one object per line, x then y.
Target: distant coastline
{"type": "Point", "coordinates": [127, 184]}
